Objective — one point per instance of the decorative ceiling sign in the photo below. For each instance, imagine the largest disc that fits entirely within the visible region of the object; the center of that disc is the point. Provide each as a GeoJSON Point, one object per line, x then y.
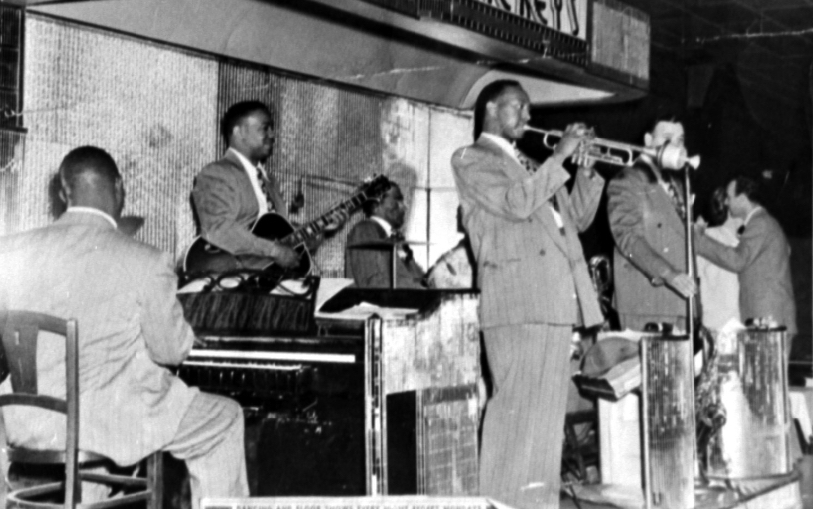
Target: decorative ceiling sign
{"type": "Point", "coordinates": [565, 16]}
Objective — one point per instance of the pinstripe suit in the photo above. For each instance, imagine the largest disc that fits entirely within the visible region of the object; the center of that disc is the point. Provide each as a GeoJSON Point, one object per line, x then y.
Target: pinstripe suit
{"type": "Point", "coordinates": [122, 292]}
{"type": "Point", "coordinates": [534, 288]}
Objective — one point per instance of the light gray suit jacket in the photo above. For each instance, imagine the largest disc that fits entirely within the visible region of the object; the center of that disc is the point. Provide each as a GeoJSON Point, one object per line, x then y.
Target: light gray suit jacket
{"type": "Point", "coordinates": [762, 260]}
{"type": "Point", "coordinates": [226, 207]}
{"type": "Point", "coordinates": [528, 271]}
{"type": "Point", "coordinates": [122, 292]}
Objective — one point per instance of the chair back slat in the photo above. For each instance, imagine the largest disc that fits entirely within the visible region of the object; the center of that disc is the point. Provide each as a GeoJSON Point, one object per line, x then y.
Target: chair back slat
{"type": "Point", "coordinates": [40, 401]}
{"type": "Point", "coordinates": [20, 330]}
{"type": "Point", "coordinates": [20, 337]}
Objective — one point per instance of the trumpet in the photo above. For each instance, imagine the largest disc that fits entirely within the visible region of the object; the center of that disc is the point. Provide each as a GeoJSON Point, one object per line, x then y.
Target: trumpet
{"type": "Point", "coordinates": [611, 152]}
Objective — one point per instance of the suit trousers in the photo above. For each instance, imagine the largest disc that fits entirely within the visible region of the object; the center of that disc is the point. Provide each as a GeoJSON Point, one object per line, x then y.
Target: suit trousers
{"type": "Point", "coordinates": [210, 441]}
{"type": "Point", "coordinates": [523, 429]}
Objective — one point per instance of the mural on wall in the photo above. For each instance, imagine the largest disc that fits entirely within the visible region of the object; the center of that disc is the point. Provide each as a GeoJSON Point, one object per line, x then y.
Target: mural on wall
{"type": "Point", "coordinates": [156, 109]}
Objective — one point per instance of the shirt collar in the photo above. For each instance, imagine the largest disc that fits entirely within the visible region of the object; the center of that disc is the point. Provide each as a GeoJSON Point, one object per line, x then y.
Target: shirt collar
{"type": "Point", "coordinates": [93, 210]}
{"type": "Point", "coordinates": [384, 224]}
{"type": "Point", "coordinates": [754, 210]}
{"type": "Point", "coordinates": [244, 160]}
{"type": "Point", "coordinates": [503, 143]}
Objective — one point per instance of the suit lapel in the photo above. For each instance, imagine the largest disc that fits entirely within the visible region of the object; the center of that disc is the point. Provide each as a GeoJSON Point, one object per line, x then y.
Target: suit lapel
{"type": "Point", "coordinates": [247, 189]}
{"type": "Point", "coordinates": [516, 171]}
{"type": "Point", "coordinates": [663, 201]}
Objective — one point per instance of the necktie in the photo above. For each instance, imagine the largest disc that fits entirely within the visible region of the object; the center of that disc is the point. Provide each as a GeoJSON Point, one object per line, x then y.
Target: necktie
{"type": "Point", "coordinates": [265, 188]}
{"type": "Point", "coordinates": [531, 167]}
{"type": "Point", "coordinates": [677, 199]}
{"type": "Point", "coordinates": [403, 248]}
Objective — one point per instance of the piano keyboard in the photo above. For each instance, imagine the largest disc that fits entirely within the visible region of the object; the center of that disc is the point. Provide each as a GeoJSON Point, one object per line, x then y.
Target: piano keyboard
{"type": "Point", "coordinates": [239, 356]}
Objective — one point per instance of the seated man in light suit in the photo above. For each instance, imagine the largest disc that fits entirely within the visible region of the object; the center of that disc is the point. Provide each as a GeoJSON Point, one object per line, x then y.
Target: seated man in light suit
{"type": "Point", "coordinates": [372, 267]}
{"type": "Point", "coordinates": [131, 327]}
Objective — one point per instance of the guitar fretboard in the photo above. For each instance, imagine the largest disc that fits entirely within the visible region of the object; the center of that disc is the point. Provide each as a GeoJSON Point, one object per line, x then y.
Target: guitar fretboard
{"type": "Point", "coordinates": [317, 226]}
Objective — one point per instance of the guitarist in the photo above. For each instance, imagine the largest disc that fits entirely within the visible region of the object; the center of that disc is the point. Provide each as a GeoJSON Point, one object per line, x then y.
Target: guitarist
{"type": "Point", "coordinates": [231, 193]}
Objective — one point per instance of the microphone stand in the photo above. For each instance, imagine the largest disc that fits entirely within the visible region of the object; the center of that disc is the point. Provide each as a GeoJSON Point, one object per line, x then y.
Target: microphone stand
{"type": "Point", "coordinates": [690, 269]}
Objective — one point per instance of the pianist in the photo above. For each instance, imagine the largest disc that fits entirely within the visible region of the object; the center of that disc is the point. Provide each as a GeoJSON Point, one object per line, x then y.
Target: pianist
{"type": "Point", "coordinates": [373, 242]}
{"type": "Point", "coordinates": [122, 292]}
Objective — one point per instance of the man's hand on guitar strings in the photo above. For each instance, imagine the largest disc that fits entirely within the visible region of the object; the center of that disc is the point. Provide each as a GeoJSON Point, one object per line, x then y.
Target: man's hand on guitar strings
{"type": "Point", "coordinates": [337, 218]}
{"type": "Point", "coordinates": [286, 257]}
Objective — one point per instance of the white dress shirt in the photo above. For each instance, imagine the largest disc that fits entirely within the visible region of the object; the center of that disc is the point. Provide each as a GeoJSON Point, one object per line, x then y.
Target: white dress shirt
{"type": "Point", "coordinates": [251, 171]}
{"type": "Point", "coordinates": [93, 210]}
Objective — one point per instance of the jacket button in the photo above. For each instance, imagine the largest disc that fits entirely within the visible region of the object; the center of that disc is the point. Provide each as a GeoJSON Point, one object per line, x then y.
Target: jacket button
{"type": "Point", "coordinates": [542, 252]}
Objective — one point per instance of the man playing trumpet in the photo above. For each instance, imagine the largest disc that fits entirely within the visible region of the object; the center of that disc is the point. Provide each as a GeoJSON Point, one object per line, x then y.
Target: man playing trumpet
{"type": "Point", "coordinates": [535, 288]}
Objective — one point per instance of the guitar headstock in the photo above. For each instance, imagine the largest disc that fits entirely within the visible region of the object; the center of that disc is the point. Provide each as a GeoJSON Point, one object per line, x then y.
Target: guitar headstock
{"type": "Point", "coordinates": [375, 186]}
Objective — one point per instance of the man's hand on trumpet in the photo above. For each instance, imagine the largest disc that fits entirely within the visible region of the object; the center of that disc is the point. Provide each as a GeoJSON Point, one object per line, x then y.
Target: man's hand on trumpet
{"type": "Point", "coordinates": [574, 144]}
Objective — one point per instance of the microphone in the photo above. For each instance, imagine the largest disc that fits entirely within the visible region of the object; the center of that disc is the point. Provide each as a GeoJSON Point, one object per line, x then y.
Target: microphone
{"type": "Point", "coordinates": [672, 157]}
{"type": "Point", "coordinates": [299, 199]}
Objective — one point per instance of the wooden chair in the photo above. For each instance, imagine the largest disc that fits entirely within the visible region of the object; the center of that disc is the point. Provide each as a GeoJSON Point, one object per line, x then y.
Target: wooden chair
{"type": "Point", "coordinates": [20, 333]}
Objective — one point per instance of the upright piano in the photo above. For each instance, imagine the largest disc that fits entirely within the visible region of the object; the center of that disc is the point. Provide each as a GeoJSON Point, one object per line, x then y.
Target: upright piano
{"type": "Point", "coordinates": [350, 404]}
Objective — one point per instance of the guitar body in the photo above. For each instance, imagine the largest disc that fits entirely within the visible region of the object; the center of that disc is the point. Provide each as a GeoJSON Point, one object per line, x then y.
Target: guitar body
{"type": "Point", "coordinates": [203, 257]}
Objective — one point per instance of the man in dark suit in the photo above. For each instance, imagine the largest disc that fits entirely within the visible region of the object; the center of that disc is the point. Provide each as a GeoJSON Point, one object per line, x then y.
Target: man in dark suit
{"type": "Point", "coordinates": [231, 193]}
{"type": "Point", "coordinates": [523, 226]}
{"type": "Point", "coordinates": [646, 211]}
{"type": "Point", "coordinates": [131, 328]}
{"type": "Point", "coordinates": [372, 267]}
{"type": "Point", "coordinates": [762, 258]}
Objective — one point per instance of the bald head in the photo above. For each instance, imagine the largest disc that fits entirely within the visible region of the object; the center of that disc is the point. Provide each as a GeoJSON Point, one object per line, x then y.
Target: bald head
{"type": "Point", "coordinates": [90, 178]}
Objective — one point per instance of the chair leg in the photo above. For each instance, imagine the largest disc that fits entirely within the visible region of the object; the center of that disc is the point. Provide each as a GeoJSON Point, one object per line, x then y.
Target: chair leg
{"type": "Point", "coordinates": [155, 480]}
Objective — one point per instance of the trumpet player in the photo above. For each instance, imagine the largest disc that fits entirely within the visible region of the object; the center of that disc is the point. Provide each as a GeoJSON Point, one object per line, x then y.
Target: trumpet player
{"type": "Point", "coordinates": [646, 213]}
{"type": "Point", "coordinates": [535, 289]}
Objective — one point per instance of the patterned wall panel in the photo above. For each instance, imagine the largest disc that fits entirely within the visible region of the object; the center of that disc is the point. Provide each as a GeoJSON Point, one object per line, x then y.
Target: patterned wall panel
{"type": "Point", "coordinates": [448, 130]}
{"type": "Point", "coordinates": [151, 107]}
{"type": "Point", "coordinates": [12, 148]}
{"type": "Point", "coordinates": [405, 131]}
{"type": "Point", "coordinates": [156, 109]}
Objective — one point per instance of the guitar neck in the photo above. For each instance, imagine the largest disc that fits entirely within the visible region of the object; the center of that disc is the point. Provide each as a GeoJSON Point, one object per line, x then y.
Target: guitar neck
{"type": "Point", "coordinates": [314, 228]}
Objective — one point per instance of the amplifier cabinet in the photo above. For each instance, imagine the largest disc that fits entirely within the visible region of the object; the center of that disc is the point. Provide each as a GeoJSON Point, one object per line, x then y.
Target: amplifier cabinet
{"type": "Point", "coordinates": [752, 388]}
{"type": "Point", "coordinates": [668, 421]}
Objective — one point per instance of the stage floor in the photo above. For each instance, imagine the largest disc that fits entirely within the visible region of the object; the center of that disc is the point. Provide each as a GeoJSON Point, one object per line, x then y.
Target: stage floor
{"type": "Point", "coordinates": [792, 491]}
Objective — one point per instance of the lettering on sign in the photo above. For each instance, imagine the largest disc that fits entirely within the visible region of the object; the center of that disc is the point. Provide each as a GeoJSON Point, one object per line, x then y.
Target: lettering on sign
{"type": "Point", "coordinates": [566, 16]}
